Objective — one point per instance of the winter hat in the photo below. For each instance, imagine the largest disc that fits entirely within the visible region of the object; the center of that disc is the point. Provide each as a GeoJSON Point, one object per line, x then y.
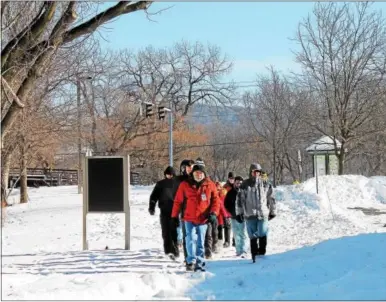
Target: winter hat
{"type": "Point", "coordinates": [198, 168]}
{"type": "Point", "coordinates": [239, 178]}
{"type": "Point", "coordinates": [170, 171]}
{"type": "Point", "coordinates": [253, 167]}
{"type": "Point", "coordinates": [184, 163]}
{"type": "Point", "coordinates": [199, 162]}
{"type": "Point", "coordinates": [231, 175]}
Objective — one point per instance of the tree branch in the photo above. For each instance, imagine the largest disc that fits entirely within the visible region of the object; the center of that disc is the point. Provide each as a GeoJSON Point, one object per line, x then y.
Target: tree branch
{"type": "Point", "coordinates": [123, 7]}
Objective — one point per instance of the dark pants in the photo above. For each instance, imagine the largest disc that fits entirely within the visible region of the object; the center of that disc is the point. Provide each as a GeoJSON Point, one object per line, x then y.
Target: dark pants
{"type": "Point", "coordinates": [184, 239]}
{"type": "Point", "coordinates": [211, 239]}
{"type": "Point", "coordinates": [220, 232]}
{"type": "Point", "coordinates": [169, 235]}
{"type": "Point", "coordinates": [227, 230]}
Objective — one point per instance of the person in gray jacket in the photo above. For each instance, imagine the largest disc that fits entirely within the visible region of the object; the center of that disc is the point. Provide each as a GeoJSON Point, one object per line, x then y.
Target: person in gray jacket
{"type": "Point", "coordinates": [255, 205]}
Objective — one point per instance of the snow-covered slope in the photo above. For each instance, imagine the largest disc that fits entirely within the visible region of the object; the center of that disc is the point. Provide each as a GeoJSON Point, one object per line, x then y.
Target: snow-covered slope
{"type": "Point", "coordinates": [42, 256]}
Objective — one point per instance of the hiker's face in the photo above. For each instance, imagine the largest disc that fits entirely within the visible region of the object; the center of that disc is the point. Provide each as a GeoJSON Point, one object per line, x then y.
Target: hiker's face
{"type": "Point", "coordinates": [188, 169]}
{"type": "Point", "coordinates": [198, 175]}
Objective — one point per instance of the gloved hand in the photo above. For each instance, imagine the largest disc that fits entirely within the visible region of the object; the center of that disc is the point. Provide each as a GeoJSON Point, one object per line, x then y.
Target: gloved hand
{"type": "Point", "coordinates": [175, 222]}
{"type": "Point", "coordinates": [212, 218]}
{"type": "Point", "coordinates": [271, 216]}
{"type": "Point", "coordinates": [152, 207]}
{"type": "Point", "coordinates": [240, 218]}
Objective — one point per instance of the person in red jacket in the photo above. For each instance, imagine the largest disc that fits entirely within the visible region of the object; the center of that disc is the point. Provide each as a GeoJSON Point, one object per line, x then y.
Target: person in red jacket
{"type": "Point", "coordinates": [224, 218]}
{"type": "Point", "coordinates": [202, 205]}
{"type": "Point", "coordinates": [229, 186]}
{"type": "Point", "coordinates": [231, 180]}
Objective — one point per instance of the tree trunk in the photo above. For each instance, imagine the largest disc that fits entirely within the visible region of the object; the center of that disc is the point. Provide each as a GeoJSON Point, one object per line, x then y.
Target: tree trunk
{"type": "Point", "coordinates": [341, 159]}
{"type": "Point", "coordinates": [6, 164]}
{"type": "Point", "coordinates": [274, 165]}
{"type": "Point", "coordinates": [23, 176]}
{"type": "Point", "coordinates": [94, 123]}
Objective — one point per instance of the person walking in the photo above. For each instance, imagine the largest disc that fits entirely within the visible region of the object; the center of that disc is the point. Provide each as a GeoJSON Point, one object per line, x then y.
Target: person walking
{"type": "Point", "coordinates": [228, 186]}
{"type": "Point", "coordinates": [163, 193]}
{"type": "Point", "coordinates": [238, 226]}
{"type": "Point", "coordinates": [255, 205]}
{"type": "Point", "coordinates": [230, 181]}
{"type": "Point", "coordinates": [224, 218]}
{"type": "Point", "coordinates": [202, 206]}
{"type": "Point", "coordinates": [186, 167]}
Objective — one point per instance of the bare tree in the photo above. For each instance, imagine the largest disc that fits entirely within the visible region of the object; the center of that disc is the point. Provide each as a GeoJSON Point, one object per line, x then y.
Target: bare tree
{"type": "Point", "coordinates": [227, 154]}
{"type": "Point", "coordinates": [33, 34]}
{"type": "Point", "coordinates": [274, 113]}
{"type": "Point", "coordinates": [186, 74]}
{"type": "Point", "coordinates": [25, 56]}
{"type": "Point", "coordinates": [343, 59]}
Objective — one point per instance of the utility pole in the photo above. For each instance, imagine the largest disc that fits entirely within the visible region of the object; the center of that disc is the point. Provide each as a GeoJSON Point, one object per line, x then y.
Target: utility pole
{"type": "Point", "coordinates": [78, 103]}
{"type": "Point", "coordinates": [170, 134]}
{"type": "Point", "coordinates": [161, 116]}
{"type": "Point", "coordinates": [79, 136]}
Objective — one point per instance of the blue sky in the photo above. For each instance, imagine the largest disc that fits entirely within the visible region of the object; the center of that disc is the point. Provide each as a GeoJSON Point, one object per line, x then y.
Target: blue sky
{"type": "Point", "coordinates": [252, 34]}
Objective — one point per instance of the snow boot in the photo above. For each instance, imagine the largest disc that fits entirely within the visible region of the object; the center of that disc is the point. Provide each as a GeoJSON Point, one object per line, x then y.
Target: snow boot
{"type": "Point", "coordinates": [226, 244]}
{"type": "Point", "coordinates": [262, 245]}
{"type": "Point", "coordinates": [215, 249]}
{"type": "Point", "coordinates": [254, 249]}
{"type": "Point", "coordinates": [190, 267]}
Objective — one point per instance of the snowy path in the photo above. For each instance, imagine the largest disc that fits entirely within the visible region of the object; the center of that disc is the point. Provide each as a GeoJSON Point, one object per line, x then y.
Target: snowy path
{"type": "Point", "coordinates": [42, 256]}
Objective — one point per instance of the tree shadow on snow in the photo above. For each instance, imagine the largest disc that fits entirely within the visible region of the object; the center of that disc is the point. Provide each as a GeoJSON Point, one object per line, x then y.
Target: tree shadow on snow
{"type": "Point", "coordinates": [90, 262]}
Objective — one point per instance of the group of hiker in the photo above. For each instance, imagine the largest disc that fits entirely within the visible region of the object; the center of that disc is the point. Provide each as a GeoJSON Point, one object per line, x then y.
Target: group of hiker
{"type": "Point", "coordinates": [196, 213]}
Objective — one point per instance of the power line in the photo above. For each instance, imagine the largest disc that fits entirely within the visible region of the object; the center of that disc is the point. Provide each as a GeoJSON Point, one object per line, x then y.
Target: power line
{"type": "Point", "coordinates": [200, 146]}
{"type": "Point", "coordinates": [179, 147]}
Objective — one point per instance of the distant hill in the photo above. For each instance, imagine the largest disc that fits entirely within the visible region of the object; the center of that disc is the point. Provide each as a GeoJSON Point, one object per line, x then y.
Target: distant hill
{"type": "Point", "coordinates": [205, 115]}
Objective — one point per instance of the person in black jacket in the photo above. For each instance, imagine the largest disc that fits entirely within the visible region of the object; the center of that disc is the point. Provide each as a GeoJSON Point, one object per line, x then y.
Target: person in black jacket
{"type": "Point", "coordinates": [238, 227]}
{"type": "Point", "coordinates": [164, 192]}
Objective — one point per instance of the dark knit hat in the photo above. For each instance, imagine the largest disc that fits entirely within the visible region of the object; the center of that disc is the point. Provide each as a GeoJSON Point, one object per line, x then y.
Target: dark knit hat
{"type": "Point", "coordinates": [239, 178]}
{"type": "Point", "coordinates": [200, 162]}
{"type": "Point", "coordinates": [170, 171]}
{"type": "Point", "coordinates": [198, 168]}
{"type": "Point", "coordinates": [231, 175]}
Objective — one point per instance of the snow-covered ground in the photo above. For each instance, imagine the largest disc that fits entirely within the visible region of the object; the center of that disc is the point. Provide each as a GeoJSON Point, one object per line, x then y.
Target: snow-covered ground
{"type": "Point", "coordinates": [320, 247]}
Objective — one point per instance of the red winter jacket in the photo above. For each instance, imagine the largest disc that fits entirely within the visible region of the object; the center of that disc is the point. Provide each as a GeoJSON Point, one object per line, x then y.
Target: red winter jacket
{"type": "Point", "coordinates": [223, 212]}
{"type": "Point", "coordinates": [200, 201]}
{"type": "Point", "coordinates": [228, 186]}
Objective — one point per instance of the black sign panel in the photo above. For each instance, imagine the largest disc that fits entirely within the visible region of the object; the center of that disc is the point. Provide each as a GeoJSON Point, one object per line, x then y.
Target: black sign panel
{"type": "Point", "coordinates": [105, 184]}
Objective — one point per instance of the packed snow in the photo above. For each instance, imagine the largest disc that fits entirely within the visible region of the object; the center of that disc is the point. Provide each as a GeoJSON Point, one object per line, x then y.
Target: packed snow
{"type": "Point", "coordinates": [320, 246]}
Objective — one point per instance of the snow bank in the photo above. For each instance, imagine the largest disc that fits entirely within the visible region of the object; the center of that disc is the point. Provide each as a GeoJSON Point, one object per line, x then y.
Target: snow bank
{"type": "Point", "coordinates": [345, 190]}
{"type": "Point", "coordinates": [350, 268]}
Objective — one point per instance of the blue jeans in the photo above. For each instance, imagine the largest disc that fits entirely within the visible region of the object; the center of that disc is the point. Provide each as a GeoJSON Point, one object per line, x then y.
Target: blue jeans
{"type": "Point", "coordinates": [238, 230]}
{"type": "Point", "coordinates": [195, 249]}
{"type": "Point", "coordinates": [257, 228]}
{"type": "Point", "coordinates": [179, 233]}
